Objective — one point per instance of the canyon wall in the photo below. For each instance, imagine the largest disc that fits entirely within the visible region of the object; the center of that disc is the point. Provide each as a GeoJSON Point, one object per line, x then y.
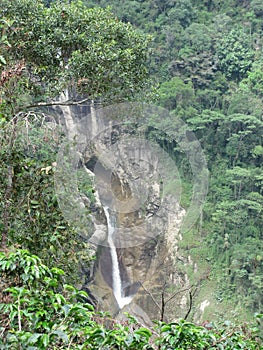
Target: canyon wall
{"type": "Point", "coordinates": [133, 177]}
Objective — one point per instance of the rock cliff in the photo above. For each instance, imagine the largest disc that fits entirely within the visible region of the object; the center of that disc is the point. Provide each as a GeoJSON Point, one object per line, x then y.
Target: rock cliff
{"type": "Point", "coordinates": [133, 177]}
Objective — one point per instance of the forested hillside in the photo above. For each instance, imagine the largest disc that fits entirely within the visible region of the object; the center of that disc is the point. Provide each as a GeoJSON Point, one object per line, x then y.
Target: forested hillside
{"type": "Point", "coordinates": [201, 60]}
{"type": "Point", "coordinates": [207, 60]}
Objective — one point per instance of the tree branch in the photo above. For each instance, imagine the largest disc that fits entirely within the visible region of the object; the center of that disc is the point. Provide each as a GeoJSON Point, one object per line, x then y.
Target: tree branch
{"type": "Point", "coordinates": [176, 293]}
{"type": "Point", "coordinates": [58, 103]}
{"type": "Point", "coordinates": [153, 299]}
{"type": "Point", "coordinates": [191, 303]}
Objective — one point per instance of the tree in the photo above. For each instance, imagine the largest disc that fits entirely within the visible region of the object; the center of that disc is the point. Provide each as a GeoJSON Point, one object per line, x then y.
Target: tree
{"type": "Point", "coordinates": [175, 93]}
{"type": "Point", "coordinates": [199, 37]}
{"type": "Point", "coordinates": [235, 54]}
{"type": "Point", "coordinates": [45, 51]}
{"type": "Point", "coordinates": [69, 45]}
{"type": "Point", "coordinates": [254, 81]}
{"type": "Point", "coordinates": [182, 11]}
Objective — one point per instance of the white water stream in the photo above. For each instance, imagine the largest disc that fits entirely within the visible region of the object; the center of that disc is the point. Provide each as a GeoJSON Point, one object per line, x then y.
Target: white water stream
{"type": "Point", "coordinates": [116, 276]}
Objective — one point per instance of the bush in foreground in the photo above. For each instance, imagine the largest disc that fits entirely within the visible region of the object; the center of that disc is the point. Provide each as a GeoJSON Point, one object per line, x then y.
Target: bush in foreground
{"type": "Point", "coordinates": [38, 311]}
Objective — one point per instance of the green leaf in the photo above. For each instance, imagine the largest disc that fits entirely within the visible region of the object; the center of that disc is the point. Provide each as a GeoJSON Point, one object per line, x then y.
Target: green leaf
{"type": "Point", "coordinates": [66, 308]}
{"type": "Point", "coordinates": [2, 60]}
{"type": "Point", "coordinates": [61, 335]}
{"type": "Point", "coordinates": [45, 339]}
{"type": "Point", "coordinates": [34, 201]}
{"type": "Point", "coordinates": [144, 332]}
{"type": "Point", "coordinates": [57, 271]}
{"type": "Point", "coordinates": [34, 338]}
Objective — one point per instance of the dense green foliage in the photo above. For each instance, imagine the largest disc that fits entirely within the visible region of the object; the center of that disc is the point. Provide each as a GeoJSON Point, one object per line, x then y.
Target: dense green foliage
{"type": "Point", "coordinates": [45, 50]}
{"type": "Point", "coordinates": [30, 216]}
{"type": "Point", "coordinates": [207, 57]}
{"type": "Point", "coordinates": [207, 60]}
{"type": "Point", "coordinates": [39, 311]}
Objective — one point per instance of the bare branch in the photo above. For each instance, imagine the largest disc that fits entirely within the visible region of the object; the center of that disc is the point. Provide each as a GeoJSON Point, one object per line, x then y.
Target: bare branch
{"type": "Point", "coordinates": [163, 306]}
{"type": "Point", "coordinates": [153, 299]}
{"type": "Point", "coordinates": [176, 293]}
{"type": "Point", "coordinates": [191, 295]}
{"type": "Point", "coordinates": [58, 103]}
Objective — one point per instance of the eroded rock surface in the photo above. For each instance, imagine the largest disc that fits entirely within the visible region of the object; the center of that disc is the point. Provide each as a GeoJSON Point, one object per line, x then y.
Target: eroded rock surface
{"type": "Point", "coordinates": [140, 184]}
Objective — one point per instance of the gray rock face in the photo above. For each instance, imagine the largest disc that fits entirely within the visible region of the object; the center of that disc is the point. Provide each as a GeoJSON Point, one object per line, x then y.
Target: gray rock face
{"type": "Point", "coordinates": [139, 183]}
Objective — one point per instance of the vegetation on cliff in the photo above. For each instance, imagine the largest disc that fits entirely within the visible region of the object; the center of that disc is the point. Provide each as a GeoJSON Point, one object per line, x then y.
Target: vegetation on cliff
{"type": "Point", "coordinates": [206, 63]}
{"type": "Point", "coordinates": [207, 59]}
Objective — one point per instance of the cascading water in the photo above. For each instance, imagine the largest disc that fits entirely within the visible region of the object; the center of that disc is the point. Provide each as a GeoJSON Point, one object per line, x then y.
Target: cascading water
{"type": "Point", "coordinates": [116, 276]}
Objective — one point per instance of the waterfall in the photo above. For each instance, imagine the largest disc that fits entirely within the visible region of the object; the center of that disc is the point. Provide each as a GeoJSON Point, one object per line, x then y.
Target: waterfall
{"type": "Point", "coordinates": [116, 276]}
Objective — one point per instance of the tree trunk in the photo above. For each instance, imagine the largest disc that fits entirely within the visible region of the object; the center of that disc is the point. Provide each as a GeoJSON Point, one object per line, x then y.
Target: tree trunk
{"type": "Point", "coordinates": [70, 125]}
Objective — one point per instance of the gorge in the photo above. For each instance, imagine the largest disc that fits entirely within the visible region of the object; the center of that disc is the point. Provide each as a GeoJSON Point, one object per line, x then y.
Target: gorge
{"type": "Point", "coordinates": [112, 120]}
{"type": "Point", "coordinates": [133, 218]}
